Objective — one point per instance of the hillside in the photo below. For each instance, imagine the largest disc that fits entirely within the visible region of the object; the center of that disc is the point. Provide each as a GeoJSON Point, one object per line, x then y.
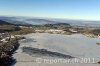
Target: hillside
{"type": "Point", "coordinates": [4, 23]}
{"type": "Point", "coordinates": [7, 27]}
{"type": "Point", "coordinates": [40, 21]}
{"type": "Point", "coordinates": [14, 20]}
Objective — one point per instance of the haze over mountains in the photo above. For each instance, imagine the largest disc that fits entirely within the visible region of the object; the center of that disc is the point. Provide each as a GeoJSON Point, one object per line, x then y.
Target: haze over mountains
{"type": "Point", "coordinates": [4, 23]}
{"type": "Point", "coordinates": [39, 21]}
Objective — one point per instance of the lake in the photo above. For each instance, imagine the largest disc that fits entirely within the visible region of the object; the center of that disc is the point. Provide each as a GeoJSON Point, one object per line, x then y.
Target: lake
{"type": "Point", "coordinates": [76, 45]}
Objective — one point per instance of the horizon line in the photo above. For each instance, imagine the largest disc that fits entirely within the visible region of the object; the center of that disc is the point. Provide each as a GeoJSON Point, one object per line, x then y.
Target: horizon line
{"type": "Point", "coordinates": [81, 19]}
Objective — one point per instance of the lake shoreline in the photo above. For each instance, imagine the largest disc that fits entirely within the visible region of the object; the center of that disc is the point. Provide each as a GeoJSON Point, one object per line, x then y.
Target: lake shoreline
{"type": "Point", "coordinates": [40, 41]}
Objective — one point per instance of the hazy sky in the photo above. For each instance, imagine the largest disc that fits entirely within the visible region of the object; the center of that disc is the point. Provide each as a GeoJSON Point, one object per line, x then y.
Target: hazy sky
{"type": "Point", "coordinates": [69, 9]}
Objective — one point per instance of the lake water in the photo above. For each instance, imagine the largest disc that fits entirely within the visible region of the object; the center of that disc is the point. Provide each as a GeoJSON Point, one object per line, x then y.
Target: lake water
{"type": "Point", "coordinates": [76, 45]}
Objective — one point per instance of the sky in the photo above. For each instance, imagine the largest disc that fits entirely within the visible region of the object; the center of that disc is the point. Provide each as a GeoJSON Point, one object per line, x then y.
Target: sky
{"type": "Point", "coordinates": [65, 9]}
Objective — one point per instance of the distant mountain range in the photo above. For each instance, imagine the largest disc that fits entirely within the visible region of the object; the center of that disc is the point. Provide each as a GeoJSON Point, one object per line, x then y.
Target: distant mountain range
{"type": "Point", "coordinates": [27, 20]}
{"type": "Point", "coordinates": [14, 20]}
{"type": "Point", "coordinates": [40, 21]}
{"type": "Point", "coordinates": [4, 23]}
